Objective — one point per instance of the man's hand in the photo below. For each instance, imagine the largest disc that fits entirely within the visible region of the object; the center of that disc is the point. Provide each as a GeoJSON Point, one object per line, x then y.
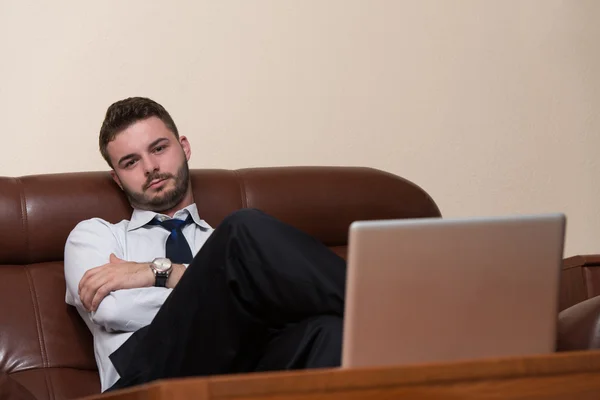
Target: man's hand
{"type": "Point", "coordinates": [98, 282]}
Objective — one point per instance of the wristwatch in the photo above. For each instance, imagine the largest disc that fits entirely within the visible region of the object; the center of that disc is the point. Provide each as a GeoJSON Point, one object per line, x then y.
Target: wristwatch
{"type": "Point", "coordinates": [162, 268]}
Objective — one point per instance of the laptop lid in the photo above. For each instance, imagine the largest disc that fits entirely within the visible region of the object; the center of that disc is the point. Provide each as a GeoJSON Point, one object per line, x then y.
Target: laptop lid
{"type": "Point", "coordinates": [434, 290]}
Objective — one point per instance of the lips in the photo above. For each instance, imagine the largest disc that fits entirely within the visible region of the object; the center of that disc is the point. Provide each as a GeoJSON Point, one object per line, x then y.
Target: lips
{"type": "Point", "coordinates": [155, 183]}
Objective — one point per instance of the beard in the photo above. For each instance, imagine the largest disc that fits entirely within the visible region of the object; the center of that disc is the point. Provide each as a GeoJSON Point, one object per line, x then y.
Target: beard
{"type": "Point", "coordinates": [164, 199]}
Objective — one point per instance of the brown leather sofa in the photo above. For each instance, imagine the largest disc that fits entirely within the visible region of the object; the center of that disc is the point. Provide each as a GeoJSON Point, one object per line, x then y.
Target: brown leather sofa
{"type": "Point", "coordinates": [46, 350]}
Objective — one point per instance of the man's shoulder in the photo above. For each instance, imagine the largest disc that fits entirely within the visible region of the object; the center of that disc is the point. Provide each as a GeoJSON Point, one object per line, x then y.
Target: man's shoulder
{"type": "Point", "coordinates": [99, 226]}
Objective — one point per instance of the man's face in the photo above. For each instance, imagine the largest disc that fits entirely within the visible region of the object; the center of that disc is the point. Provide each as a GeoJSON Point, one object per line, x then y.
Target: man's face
{"type": "Point", "coordinates": [150, 165]}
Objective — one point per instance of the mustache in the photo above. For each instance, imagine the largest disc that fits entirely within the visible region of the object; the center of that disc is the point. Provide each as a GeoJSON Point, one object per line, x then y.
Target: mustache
{"type": "Point", "coordinates": [156, 176]}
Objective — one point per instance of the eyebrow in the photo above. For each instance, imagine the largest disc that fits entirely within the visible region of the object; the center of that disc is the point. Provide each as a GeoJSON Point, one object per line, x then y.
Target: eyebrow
{"type": "Point", "coordinates": [150, 146]}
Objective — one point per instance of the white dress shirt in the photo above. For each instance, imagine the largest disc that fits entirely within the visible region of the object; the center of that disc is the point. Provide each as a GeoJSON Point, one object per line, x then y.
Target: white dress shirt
{"type": "Point", "coordinates": [122, 312]}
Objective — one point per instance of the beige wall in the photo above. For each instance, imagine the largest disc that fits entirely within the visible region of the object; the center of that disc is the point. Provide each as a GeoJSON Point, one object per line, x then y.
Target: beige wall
{"type": "Point", "coordinates": [491, 106]}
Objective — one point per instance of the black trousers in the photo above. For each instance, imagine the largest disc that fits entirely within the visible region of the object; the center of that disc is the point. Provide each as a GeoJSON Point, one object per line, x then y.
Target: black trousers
{"type": "Point", "coordinates": [260, 295]}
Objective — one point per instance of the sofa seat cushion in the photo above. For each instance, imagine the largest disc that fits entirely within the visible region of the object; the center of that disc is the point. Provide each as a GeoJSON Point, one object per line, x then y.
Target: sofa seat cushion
{"type": "Point", "coordinates": [13, 390]}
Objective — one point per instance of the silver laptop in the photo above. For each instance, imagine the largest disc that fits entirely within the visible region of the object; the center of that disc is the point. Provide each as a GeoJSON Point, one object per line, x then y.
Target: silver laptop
{"type": "Point", "coordinates": [437, 290]}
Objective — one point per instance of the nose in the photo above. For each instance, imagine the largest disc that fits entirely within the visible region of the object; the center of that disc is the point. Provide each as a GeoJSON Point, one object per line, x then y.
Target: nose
{"type": "Point", "coordinates": [150, 165]}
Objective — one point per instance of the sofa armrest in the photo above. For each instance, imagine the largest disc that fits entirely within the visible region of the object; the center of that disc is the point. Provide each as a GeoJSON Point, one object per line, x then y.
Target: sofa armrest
{"type": "Point", "coordinates": [580, 279]}
{"type": "Point", "coordinates": [585, 260]}
{"type": "Point", "coordinates": [579, 326]}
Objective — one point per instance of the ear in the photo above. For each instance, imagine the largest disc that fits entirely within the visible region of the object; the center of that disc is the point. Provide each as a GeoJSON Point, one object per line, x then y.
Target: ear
{"type": "Point", "coordinates": [185, 145]}
{"type": "Point", "coordinates": [115, 177]}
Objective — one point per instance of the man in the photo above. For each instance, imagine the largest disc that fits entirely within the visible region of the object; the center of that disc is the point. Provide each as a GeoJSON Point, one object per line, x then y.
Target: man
{"type": "Point", "coordinates": [166, 295]}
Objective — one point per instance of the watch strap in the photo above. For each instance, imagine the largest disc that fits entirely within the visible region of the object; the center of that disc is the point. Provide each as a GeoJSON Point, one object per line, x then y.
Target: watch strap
{"type": "Point", "coordinates": [161, 279]}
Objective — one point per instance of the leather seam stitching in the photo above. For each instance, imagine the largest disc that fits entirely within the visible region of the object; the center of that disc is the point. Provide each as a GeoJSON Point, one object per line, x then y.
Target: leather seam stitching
{"type": "Point", "coordinates": [24, 217]}
{"type": "Point", "coordinates": [49, 383]}
{"type": "Point", "coordinates": [243, 194]}
{"type": "Point", "coordinates": [36, 310]}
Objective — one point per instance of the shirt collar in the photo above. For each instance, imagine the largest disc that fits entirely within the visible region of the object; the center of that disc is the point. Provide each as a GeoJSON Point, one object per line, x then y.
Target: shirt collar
{"type": "Point", "coordinates": [140, 218]}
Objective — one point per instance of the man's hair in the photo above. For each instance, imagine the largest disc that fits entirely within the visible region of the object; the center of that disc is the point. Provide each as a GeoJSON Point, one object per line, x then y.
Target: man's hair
{"type": "Point", "coordinates": [123, 113]}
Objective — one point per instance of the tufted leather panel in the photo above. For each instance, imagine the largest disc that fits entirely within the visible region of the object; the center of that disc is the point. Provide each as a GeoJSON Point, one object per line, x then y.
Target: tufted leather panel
{"type": "Point", "coordinates": [217, 194]}
{"type": "Point", "coordinates": [19, 341]}
{"type": "Point", "coordinates": [56, 203]}
{"type": "Point", "coordinates": [65, 338]}
{"type": "Point", "coordinates": [59, 383]}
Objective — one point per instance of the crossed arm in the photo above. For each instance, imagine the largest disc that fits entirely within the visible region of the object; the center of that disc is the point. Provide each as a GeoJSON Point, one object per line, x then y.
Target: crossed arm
{"type": "Point", "coordinates": [114, 293]}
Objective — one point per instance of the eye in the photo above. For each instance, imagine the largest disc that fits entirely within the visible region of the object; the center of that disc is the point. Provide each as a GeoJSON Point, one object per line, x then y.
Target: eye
{"type": "Point", "coordinates": [159, 149]}
{"type": "Point", "coordinates": [129, 163]}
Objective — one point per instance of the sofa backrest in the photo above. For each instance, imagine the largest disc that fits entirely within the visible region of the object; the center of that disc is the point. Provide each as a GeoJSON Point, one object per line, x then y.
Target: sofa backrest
{"type": "Point", "coordinates": [45, 346]}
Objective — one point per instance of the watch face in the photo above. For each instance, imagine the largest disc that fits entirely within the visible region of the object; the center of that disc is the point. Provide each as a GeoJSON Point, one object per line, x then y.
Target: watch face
{"type": "Point", "coordinates": [162, 264]}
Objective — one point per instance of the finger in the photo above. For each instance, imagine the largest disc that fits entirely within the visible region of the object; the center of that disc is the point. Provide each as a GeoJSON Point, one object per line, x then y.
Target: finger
{"type": "Point", "coordinates": [84, 279]}
{"type": "Point", "coordinates": [89, 274]}
{"type": "Point", "coordinates": [87, 294]}
{"type": "Point", "coordinates": [101, 293]}
{"type": "Point", "coordinates": [83, 296]}
{"type": "Point", "coordinates": [91, 287]}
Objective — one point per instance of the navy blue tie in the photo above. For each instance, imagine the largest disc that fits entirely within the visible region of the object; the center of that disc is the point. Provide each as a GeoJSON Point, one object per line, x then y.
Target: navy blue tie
{"type": "Point", "coordinates": [178, 249]}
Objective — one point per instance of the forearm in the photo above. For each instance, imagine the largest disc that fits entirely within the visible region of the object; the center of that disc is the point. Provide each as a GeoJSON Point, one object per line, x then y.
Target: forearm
{"type": "Point", "coordinates": [129, 309]}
